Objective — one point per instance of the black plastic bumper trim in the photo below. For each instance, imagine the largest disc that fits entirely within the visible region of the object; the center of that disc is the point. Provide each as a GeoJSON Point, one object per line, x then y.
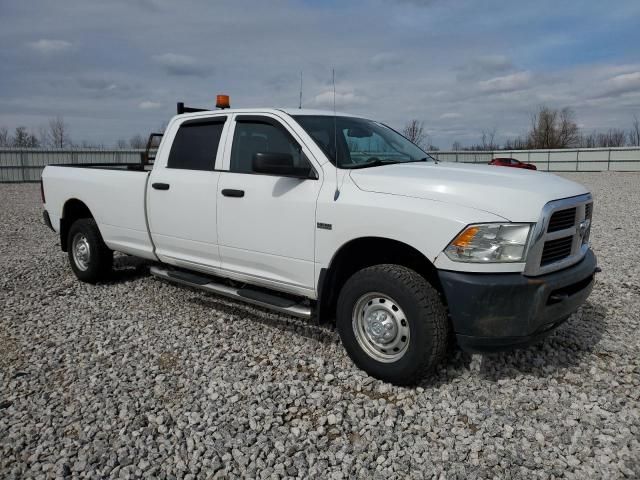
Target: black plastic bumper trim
{"type": "Point", "coordinates": [504, 310]}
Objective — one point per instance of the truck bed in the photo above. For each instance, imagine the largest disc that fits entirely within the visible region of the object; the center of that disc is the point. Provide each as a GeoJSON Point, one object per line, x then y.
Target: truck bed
{"type": "Point", "coordinates": [114, 193]}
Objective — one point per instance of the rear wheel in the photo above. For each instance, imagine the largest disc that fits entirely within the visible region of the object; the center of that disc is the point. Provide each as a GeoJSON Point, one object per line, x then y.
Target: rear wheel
{"type": "Point", "coordinates": [392, 323]}
{"type": "Point", "coordinates": [90, 259]}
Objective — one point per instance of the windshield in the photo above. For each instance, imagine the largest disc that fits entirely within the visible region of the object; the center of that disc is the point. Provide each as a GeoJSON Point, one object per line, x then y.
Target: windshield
{"type": "Point", "coordinates": [361, 143]}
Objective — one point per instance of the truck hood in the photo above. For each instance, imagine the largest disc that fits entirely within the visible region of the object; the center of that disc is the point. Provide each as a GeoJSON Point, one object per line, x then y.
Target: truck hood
{"type": "Point", "coordinates": [515, 194]}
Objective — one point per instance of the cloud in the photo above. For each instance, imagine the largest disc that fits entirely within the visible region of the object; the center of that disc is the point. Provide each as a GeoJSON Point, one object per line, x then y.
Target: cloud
{"type": "Point", "coordinates": [343, 100]}
{"type": "Point", "coordinates": [420, 3]}
{"type": "Point", "coordinates": [492, 63]}
{"type": "Point", "coordinates": [47, 47]}
{"type": "Point", "coordinates": [149, 105]}
{"type": "Point", "coordinates": [176, 64]}
{"type": "Point", "coordinates": [483, 66]}
{"type": "Point", "coordinates": [621, 84]}
{"type": "Point", "coordinates": [506, 83]}
{"type": "Point", "coordinates": [100, 84]}
{"type": "Point", "coordinates": [385, 59]}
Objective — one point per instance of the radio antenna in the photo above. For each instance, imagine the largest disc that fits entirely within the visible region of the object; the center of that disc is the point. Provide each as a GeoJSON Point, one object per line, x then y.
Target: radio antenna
{"type": "Point", "coordinates": [300, 103]}
{"type": "Point", "coordinates": [335, 133]}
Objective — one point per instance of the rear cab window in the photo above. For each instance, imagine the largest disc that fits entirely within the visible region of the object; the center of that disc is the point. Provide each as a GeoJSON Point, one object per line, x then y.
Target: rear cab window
{"type": "Point", "coordinates": [195, 145]}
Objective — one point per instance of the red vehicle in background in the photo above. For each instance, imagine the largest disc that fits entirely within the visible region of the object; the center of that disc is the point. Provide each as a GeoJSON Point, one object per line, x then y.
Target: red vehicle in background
{"type": "Point", "coordinates": [512, 162]}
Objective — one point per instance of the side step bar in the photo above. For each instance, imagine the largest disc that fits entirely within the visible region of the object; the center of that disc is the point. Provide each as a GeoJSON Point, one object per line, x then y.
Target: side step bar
{"type": "Point", "coordinates": [248, 295]}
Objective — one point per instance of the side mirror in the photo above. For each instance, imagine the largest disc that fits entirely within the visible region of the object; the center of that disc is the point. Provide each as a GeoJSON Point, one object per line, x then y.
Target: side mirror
{"type": "Point", "coordinates": [276, 163]}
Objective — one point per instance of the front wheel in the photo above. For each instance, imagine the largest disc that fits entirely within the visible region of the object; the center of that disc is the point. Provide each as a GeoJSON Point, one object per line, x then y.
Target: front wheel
{"type": "Point", "coordinates": [392, 323]}
{"type": "Point", "coordinates": [90, 259]}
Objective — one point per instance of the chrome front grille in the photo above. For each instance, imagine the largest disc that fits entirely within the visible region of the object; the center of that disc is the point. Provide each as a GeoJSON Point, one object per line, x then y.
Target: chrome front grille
{"type": "Point", "coordinates": [562, 219]}
{"type": "Point", "coordinates": [561, 236]}
{"type": "Point", "coordinates": [555, 250]}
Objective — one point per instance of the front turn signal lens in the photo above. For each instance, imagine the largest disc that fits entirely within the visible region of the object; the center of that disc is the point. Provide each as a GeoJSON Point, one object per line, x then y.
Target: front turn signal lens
{"type": "Point", "coordinates": [465, 238]}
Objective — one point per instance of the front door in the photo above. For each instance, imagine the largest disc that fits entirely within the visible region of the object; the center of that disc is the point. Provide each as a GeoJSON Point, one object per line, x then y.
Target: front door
{"type": "Point", "coordinates": [267, 222]}
{"type": "Point", "coordinates": [182, 196]}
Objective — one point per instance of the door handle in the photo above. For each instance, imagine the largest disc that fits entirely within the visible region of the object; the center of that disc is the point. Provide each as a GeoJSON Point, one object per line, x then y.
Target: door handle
{"type": "Point", "coordinates": [230, 192]}
{"type": "Point", "coordinates": [160, 186]}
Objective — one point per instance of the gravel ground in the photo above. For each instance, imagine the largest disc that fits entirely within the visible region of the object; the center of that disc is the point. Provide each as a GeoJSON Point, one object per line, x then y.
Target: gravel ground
{"type": "Point", "coordinates": [142, 378]}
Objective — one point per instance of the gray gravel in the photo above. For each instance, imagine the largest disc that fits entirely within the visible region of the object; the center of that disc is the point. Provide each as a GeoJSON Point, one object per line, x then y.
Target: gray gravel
{"type": "Point", "coordinates": [141, 378]}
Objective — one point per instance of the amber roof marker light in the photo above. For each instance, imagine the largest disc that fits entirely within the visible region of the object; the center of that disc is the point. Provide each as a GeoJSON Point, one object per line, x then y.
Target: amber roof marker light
{"type": "Point", "coordinates": [222, 101]}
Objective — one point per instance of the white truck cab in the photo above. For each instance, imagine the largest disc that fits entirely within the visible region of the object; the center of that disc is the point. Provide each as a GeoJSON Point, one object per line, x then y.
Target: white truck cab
{"type": "Point", "coordinates": [314, 213]}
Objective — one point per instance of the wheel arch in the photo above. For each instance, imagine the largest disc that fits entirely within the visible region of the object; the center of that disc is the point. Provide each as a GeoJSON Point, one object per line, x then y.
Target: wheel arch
{"type": "Point", "coordinates": [364, 252]}
{"type": "Point", "coordinates": [73, 210]}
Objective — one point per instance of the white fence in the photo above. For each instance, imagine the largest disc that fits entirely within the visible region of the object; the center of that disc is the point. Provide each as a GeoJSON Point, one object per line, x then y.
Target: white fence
{"type": "Point", "coordinates": [26, 164]}
{"type": "Point", "coordinates": [621, 159]}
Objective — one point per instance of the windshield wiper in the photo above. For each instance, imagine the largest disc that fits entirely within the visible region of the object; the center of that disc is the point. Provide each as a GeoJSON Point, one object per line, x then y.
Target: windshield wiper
{"type": "Point", "coordinates": [375, 163]}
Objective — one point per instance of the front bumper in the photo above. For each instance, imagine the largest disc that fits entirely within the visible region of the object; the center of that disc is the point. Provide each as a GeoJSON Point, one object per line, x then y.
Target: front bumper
{"type": "Point", "coordinates": [492, 312]}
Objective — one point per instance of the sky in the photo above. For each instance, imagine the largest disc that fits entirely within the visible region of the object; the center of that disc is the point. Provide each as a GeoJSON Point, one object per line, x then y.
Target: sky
{"type": "Point", "coordinates": [116, 68]}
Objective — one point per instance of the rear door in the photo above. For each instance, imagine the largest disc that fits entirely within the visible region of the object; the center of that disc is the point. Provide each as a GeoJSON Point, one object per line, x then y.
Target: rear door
{"type": "Point", "coordinates": [182, 193]}
{"type": "Point", "coordinates": [267, 222]}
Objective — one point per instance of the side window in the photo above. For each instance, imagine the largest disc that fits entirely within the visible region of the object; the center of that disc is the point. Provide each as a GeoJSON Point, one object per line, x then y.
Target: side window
{"type": "Point", "coordinates": [255, 136]}
{"type": "Point", "coordinates": [196, 145]}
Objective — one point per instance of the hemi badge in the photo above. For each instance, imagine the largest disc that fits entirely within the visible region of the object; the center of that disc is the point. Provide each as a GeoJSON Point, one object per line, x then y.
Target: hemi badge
{"type": "Point", "coordinates": [324, 226]}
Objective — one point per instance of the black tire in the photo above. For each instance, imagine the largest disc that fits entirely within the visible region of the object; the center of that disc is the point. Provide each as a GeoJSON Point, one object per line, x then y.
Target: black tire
{"type": "Point", "coordinates": [425, 314]}
{"type": "Point", "coordinates": [100, 259]}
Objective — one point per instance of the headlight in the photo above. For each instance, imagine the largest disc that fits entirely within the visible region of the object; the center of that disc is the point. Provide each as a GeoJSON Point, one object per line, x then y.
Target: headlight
{"type": "Point", "coordinates": [490, 243]}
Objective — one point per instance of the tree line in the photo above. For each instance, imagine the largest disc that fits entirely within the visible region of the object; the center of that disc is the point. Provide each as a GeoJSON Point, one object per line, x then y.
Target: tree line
{"type": "Point", "coordinates": [56, 134]}
{"type": "Point", "coordinates": [549, 128]}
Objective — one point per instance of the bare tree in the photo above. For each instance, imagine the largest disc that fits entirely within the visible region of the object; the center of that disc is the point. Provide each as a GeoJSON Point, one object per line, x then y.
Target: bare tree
{"type": "Point", "coordinates": [456, 146]}
{"type": "Point", "coordinates": [58, 134]}
{"type": "Point", "coordinates": [589, 140]}
{"type": "Point", "coordinates": [542, 134]}
{"type": "Point", "coordinates": [121, 144]}
{"type": "Point", "coordinates": [4, 137]}
{"type": "Point", "coordinates": [553, 129]}
{"type": "Point", "coordinates": [137, 142]}
{"type": "Point", "coordinates": [488, 139]}
{"type": "Point", "coordinates": [22, 138]}
{"type": "Point", "coordinates": [518, 143]}
{"type": "Point", "coordinates": [414, 131]}
{"type": "Point", "coordinates": [567, 129]}
{"type": "Point", "coordinates": [615, 137]}
{"type": "Point", "coordinates": [634, 133]}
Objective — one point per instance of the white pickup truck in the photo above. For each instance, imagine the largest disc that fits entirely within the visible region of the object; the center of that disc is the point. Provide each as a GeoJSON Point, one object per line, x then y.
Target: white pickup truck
{"type": "Point", "coordinates": [315, 213]}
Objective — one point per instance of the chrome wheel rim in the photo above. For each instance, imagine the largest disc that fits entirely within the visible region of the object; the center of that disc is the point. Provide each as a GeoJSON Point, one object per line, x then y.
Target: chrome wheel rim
{"type": "Point", "coordinates": [81, 251]}
{"type": "Point", "coordinates": [381, 327]}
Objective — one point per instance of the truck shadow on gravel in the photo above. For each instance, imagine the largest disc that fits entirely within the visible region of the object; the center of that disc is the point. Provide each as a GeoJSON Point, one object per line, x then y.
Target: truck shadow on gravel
{"type": "Point", "coordinates": [562, 350]}
{"type": "Point", "coordinates": [324, 333]}
{"type": "Point", "coordinates": [127, 268]}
